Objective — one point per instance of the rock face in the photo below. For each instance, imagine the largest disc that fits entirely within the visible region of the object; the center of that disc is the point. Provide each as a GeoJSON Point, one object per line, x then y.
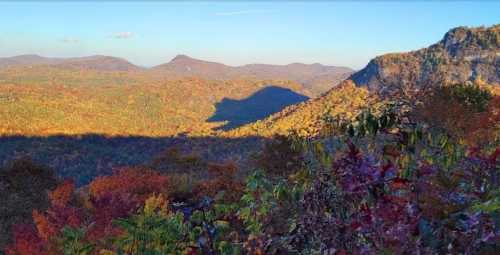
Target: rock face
{"type": "Point", "coordinates": [464, 54]}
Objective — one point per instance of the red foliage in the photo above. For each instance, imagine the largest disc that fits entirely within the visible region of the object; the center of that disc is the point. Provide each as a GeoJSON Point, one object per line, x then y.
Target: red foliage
{"type": "Point", "coordinates": [222, 177]}
{"type": "Point", "coordinates": [26, 241]}
{"type": "Point", "coordinates": [40, 237]}
{"type": "Point", "coordinates": [137, 181]}
{"type": "Point", "coordinates": [461, 120]}
{"type": "Point", "coordinates": [110, 197]}
{"type": "Point", "coordinates": [107, 208]}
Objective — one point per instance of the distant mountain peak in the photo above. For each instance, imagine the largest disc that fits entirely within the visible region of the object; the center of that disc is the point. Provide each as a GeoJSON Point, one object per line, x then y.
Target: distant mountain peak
{"type": "Point", "coordinates": [181, 57]}
{"type": "Point", "coordinates": [96, 62]}
{"type": "Point", "coordinates": [29, 55]}
{"type": "Point", "coordinates": [315, 78]}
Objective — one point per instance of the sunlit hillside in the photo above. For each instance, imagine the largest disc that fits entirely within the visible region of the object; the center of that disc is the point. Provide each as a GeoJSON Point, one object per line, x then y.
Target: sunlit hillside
{"type": "Point", "coordinates": [45, 100]}
{"type": "Point", "coordinates": [308, 119]}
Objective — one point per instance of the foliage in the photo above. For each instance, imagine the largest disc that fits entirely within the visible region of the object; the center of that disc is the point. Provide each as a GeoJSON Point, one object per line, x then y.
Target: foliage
{"type": "Point", "coordinates": [153, 231]}
{"type": "Point", "coordinates": [466, 112]}
{"type": "Point", "coordinates": [23, 188]}
{"type": "Point", "coordinates": [73, 243]}
{"type": "Point", "coordinates": [308, 119]}
{"type": "Point", "coordinates": [386, 180]}
{"type": "Point", "coordinates": [280, 156]}
{"type": "Point", "coordinates": [53, 101]}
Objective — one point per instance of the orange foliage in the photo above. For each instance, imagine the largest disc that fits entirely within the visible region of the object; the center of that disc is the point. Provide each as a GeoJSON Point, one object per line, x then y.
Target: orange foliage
{"type": "Point", "coordinates": [44, 227]}
{"type": "Point", "coordinates": [63, 194]}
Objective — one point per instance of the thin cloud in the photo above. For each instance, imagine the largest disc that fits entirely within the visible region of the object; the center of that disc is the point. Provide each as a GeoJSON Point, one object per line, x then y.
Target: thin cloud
{"type": "Point", "coordinates": [243, 12]}
{"type": "Point", "coordinates": [70, 40]}
{"type": "Point", "coordinates": [122, 35]}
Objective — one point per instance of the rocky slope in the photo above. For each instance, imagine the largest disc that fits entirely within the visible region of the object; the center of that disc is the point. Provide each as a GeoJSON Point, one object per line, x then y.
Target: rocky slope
{"type": "Point", "coordinates": [463, 54]}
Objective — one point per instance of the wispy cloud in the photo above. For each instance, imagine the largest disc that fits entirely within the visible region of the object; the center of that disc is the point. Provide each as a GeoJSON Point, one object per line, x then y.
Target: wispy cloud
{"type": "Point", "coordinates": [70, 40]}
{"type": "Point", "coordinates": [122, 35]}
{"type": "Point", "coordinates": [242, 12]}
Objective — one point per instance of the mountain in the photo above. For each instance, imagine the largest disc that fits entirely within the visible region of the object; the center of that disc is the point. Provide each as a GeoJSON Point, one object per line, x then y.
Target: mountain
{"type": "Point", "coordinates": [23, 60]}
{"type": "Point", "coordinates": [463, 54]}
{"type": "Point", "coordinates": [97, 62]}
{"type": "Point", "coordinates": [315, 78]}
{"type": "Point", "coordinates": [183, 66]}
{"type": "Point", "coordinates": [100, 63]}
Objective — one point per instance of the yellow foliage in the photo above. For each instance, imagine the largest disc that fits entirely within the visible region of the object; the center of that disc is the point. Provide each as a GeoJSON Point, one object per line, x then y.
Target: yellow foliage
{"type": "Point", "coordinates": [156, 204]}
{"type": "Point", "coordinates": [306, 118]}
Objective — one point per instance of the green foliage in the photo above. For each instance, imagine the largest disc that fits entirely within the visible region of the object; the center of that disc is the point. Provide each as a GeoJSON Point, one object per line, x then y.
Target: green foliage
{"type": "Point", "coordinates": [258, 201]}
{"type": "Point", "coordinates": [210, 229]}
{"type": "Point", "coordinates": [491, 203]}
{"type": "Point", "coordinates": [151, 233]}
{"type": "Point", "coordinates": [73, 242]}
{"type": "Point", "coordinates": [470, 95]}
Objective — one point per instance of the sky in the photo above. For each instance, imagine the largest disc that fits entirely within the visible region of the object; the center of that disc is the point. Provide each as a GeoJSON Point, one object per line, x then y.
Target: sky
{"type": "Point", "coordinates": [342, 33]}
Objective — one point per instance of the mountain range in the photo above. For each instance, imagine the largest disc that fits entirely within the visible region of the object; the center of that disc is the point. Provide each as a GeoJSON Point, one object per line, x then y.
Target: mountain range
{"type": "Point", "coordinates": [190, 93]}
{"type": "Point", "coordinates": [315, 78]}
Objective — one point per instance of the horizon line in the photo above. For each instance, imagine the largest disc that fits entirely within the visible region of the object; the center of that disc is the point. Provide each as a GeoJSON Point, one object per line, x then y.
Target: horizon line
{"type": "Point", "coordinates": [177, 55]}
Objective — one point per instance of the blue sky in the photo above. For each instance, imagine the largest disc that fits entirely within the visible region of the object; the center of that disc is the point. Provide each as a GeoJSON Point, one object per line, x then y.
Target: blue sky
{"type": "Point", "coordinates": [346, 33]}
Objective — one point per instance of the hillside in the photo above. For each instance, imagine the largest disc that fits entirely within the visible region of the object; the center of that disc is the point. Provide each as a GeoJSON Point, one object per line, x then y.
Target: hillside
{"type": "Point", "coordinates": [463, 54]}
{"type": "Point", "coordinates": [307, 118]}
{"type": "Point", "coordinates": [47, 100]}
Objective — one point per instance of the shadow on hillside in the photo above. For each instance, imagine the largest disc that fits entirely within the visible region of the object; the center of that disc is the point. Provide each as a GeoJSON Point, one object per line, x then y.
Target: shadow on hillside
{"type": "Point", "coordinates": [258, 106]}
{"type": "Point", "coordinates": [85, 157]}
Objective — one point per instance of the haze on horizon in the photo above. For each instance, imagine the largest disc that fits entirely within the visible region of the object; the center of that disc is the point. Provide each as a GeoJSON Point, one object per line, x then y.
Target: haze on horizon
{"type": "Point", "coordinates": [340, 33]}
